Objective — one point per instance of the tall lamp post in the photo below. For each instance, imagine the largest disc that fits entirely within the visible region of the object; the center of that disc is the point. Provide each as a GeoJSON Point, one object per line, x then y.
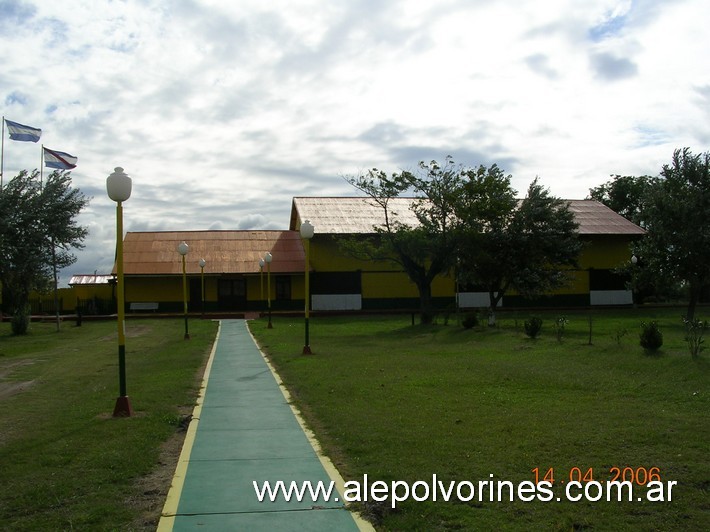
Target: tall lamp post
{"type": "Point", "coordinates": [261, 282]}
{"type": "Point", "coordinates": [267, 258]}
{"type": "Point", "coordinates": [118, 186]}
{"type": "Point", "coordinates": [183, 248]}
{"type": "Point", "coordinates": [202, 284]}
{"type": "Point", "coordinates": [306, 234]}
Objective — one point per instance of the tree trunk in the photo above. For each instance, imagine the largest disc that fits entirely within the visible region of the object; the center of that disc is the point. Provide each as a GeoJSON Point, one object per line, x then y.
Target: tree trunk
{"type": "Point", "coordinates": [493, 298]}
{"type": "Point", "coordinates": [426, 306]}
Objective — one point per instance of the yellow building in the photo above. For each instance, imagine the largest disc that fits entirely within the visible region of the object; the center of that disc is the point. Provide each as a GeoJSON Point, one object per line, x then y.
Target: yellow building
{"type": "Point", "coordinates": [342, 283]}
{"type": "Point", "coordinates": [233, 280]}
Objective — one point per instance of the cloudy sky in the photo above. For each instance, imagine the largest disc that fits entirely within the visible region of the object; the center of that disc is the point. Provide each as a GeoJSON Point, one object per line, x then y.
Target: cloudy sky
{"type": "Point", "coordinates": [222, 110]}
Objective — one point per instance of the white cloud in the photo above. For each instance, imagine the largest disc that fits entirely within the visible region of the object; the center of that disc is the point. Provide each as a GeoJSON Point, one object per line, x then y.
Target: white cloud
{"type": "Point", "coordinates": [222, 111]}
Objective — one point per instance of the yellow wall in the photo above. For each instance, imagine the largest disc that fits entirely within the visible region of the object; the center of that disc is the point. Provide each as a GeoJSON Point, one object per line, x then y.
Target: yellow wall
{"type": "Point", "coordinates": [326, 256]}
{"type": "Point", "coordinates": [91, 291]}
{"type": "Point", "coordinates": [154, 288]}
{"type": "Point", "coordinates": [605, 252]}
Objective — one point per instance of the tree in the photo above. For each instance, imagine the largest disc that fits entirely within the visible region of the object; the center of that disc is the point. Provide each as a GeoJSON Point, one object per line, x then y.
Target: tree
{"type": "Point", "coordinates": [527, 247]}
{"type": "Point", "coordinates": [423, 249]}
{"type": "Point", "coordinates": [625, 195]}
{"type": "Point", "coordinates": [677, 242]}
{"type": "Point", "coordinates": [38, 230]}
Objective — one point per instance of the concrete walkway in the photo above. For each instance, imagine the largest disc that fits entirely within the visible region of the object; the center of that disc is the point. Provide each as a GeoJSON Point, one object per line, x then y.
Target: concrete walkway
{"type": "Point", "coordinates": [244, 430]}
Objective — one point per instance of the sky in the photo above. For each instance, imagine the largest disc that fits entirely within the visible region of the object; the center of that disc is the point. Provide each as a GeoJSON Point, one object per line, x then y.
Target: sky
{"type": "Point", "coordinates": [222, 111]}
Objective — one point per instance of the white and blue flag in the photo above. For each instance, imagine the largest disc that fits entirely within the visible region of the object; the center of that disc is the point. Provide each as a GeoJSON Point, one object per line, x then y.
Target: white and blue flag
{"type": "Point", "coordinates": [22, 132]}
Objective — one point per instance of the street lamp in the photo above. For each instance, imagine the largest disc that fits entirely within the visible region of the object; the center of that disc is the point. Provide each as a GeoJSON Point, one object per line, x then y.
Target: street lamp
{"type": "Point", "coordinates": [306, 234]}
{"type": "Point", "coordinates": [261, 283]}
{"type": "Point", "coordinates": [267, 258]}
{"type": "Point", "coordinates": [202, 283]}
{"type": "Point", "coordinates": [183, 248]}
{"type": "Point", "coordinates": [118, 186]}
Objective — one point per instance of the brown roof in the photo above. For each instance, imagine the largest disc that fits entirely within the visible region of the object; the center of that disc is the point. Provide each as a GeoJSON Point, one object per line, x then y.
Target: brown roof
{"type": "Point", "coordinates": [359, 214]}
{"type": "Point", "coordinates": [155, 253]}
{"type": "Point", "coordinates": [595, 218]}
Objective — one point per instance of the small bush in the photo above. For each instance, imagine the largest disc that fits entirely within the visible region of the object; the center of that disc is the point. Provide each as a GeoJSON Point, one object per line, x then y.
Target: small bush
{"type": "Point", "coordinates": [470, 320]}
{"type": "Point", "coordinates": [619, 334]}
{"type": "Point", "coordinates": [20, 322]}
{"type": "Point", "coordinates": [533, 326]}
{"type": "Point", "coordinates": [560, 324]}
{"type": "Point", "coordinates": [694, 331]}
{"type": "Point", "coordinates": [651, 337]}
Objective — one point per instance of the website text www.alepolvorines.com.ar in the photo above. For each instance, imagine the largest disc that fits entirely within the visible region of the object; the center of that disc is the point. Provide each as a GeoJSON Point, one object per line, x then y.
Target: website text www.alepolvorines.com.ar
{"type": "Point", "coordinates": [435, 490]}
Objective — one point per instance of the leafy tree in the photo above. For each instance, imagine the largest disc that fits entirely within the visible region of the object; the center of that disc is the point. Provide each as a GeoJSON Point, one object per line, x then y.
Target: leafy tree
{"type": "Point", "coordinates": [527, 248]}
{"type": "Point", "coordinates": [37, 230]}
{"type": "Point", "coordinates": [425, 249]}
{"type": "Point", "coordinates": [625, 195]}
{"type": "Point", "coordinates": [677, 208]}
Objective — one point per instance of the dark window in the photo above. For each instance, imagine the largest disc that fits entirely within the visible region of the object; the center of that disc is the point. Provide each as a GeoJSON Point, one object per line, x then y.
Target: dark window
{"type": "Point", "coordinates": [336, 283]}
{"type": "Point", "coordinates": [607, 280]}
{"type": "Point", "coordinates": [232, 288]}
{"type": "Point", "coordinates": [283, 287]}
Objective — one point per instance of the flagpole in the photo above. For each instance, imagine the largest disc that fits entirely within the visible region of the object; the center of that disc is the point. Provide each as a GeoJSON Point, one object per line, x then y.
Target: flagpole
{"type": "Point", "coordinates": [2, 152]}
{"type": "Point", "coordinates": [41, 167]}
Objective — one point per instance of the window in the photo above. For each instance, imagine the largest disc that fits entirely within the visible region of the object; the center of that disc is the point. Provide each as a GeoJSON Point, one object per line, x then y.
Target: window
{"type": "Point", "coordinates": [283, 287]}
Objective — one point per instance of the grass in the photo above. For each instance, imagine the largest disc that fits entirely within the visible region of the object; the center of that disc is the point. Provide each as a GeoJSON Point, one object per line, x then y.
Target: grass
{"type": "Point", "coordinates": [66, 462]}
{"type": "Point", "coordinates": [402, 402]}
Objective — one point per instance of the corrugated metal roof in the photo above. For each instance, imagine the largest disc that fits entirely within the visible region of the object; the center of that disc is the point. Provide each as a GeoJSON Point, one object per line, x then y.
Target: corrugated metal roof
{"type": "Point", "coordinates": [351, 215]}
{"type": "Point", "coordinates": [155, 253]}
{"type": "Point", "coordinates": [595, 218]}
{"type": "Point", "coordinates": [89, 279]}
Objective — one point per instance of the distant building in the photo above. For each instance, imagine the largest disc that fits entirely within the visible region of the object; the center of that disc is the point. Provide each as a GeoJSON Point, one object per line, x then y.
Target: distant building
{"type": "Point", "coordinates": [233, 280]}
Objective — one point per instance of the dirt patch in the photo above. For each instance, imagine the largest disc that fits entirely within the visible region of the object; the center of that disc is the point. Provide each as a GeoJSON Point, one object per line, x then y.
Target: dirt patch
{"type": "Point", "coordinates": [131, 332]}
{"type": "Point", "coordinates": [10, 388]}
{"type": "Point", "coordinates": [151, 491]}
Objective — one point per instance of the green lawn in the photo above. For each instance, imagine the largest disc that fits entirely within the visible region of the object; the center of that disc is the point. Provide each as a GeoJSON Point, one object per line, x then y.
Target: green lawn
{"type": "Point", "coordinates": [66, 463]}
{"type": "Point", "coordinates": [402, 402]}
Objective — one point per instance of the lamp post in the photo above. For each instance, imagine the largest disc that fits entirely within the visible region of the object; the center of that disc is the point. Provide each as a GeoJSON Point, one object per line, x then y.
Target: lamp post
{"type": "Point", "coordinates": [183, 248]}
{"type": "Point", "coordinates": [267, 258]}
{"type": "Point", "coordinates": [306, 234]}
{"type": "Point", "coordinates": [261, 283]}
{"type": "Point", "coordinates": [202, 284]}
{"type": "Point", "coordinates": [118, 187]}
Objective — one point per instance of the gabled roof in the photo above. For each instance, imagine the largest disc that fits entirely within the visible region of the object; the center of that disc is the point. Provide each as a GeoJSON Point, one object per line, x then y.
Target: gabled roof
{"type": "Point", "coordinates": [353, 215]}
{"type": "Point", "coordinates": [155, 252]}
{"type": "Point", "coordinates": [595, 218]}
{"type": "Point", "coordinates": [348, 215]}
{"type": "Point", "coordinates": [89, 279]}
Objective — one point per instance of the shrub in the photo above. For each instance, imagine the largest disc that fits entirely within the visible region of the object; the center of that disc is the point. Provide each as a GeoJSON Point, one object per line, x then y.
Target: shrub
{"type": "Point", "coordinates": [560, 324]}
{"type": "Point", "coordinates": [651, 338]}
{"type": "Point", "coordinates": [470, 320]}
{"type": "Point", "coordinates": [20, 321]}
{"type": "Point", "coordinates": [533, 326]}
{"type": "Point", "coordinates": [619, 334]}
{"type": "Point", "coordinates": [694, 330]}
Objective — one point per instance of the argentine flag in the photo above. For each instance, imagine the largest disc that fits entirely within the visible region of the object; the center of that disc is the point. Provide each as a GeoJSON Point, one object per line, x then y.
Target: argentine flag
{"type": "Point", "coordinates": [21, 132]}
{"type": "Point", "coordinates": [59, 159]}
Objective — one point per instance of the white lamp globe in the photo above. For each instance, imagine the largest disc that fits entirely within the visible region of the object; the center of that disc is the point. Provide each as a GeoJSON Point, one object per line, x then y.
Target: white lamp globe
{"type": "Point", "coordinates": [307, 230]}
{"type": "Point", "coordinates": [118, 185]}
